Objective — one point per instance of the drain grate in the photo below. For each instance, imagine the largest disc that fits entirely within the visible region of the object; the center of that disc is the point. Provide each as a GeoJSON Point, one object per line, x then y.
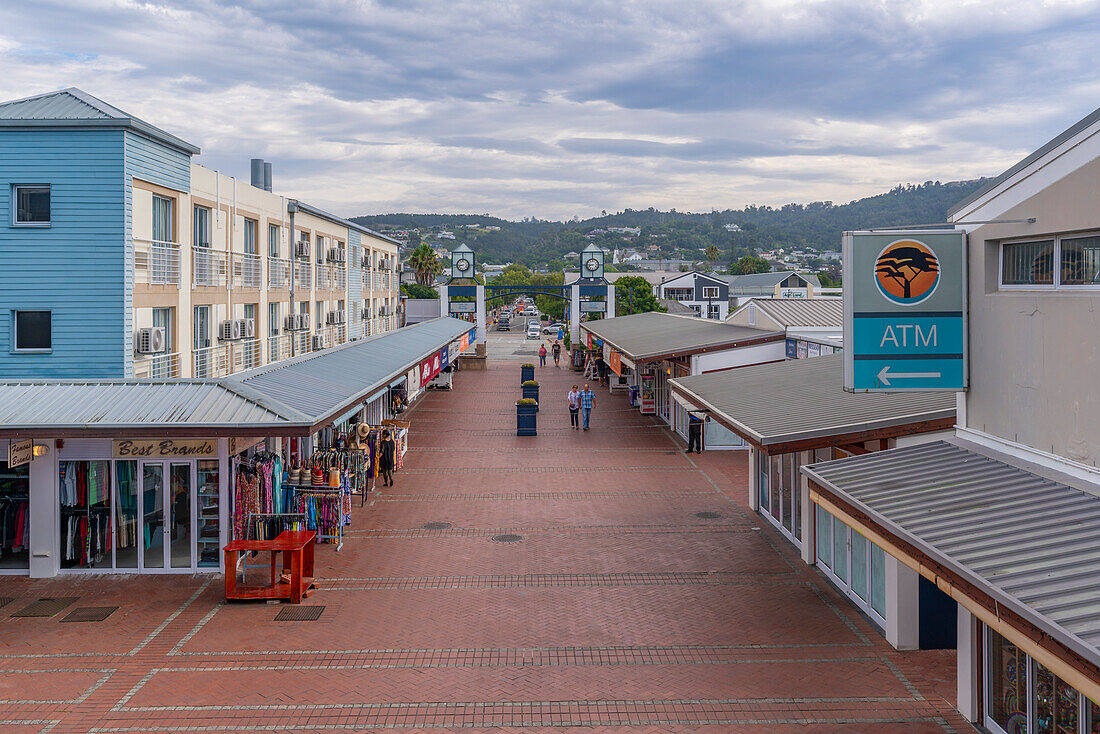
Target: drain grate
{"type": "Point", "coordinates": [507, 538]}
{"type": "Point", "coordinates": [708, 515]}
{"type": "Point", "coordinates": [89, 614]}
{"type": "Point", "coordinates": [45, 607]}
{"type": "Point", "coordinates": [298, 613]}
{"type": "Point", "coordinates": [436, 526]}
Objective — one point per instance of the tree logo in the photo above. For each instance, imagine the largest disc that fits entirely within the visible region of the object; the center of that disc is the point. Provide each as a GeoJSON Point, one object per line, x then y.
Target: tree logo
{"type": "Point", "coordinates": [907, 272]}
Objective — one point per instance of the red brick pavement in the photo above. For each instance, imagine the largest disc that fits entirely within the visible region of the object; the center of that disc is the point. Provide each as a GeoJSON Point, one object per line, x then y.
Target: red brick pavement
{"type": "Point", "coordinates": [619, 610]}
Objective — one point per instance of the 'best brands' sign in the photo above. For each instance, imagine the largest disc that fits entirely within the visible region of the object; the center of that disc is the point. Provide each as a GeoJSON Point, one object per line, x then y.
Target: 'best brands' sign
{"type": "Point", "coordinates": [167, 448]}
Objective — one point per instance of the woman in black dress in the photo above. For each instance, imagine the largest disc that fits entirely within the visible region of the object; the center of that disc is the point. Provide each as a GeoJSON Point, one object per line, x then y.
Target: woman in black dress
{"type": "Point", "coordinates": [386, 458]}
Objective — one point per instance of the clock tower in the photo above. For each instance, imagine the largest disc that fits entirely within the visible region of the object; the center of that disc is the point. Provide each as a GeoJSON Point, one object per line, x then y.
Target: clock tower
{"type": "Point", "coordinates": [592, 263]}
{"type": "Point", "coordinates": [462, 262]}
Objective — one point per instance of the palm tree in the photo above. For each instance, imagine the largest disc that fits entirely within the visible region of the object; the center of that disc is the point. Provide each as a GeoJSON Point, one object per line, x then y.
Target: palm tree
{"type": "Point", "coordinates": [424, 261]}
{"type": "Point", "coordinates": [713, 254]}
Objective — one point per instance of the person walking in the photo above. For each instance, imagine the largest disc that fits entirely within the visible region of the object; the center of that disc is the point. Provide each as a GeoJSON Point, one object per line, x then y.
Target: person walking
{"type": "Point", "coordinates": [588, 400]}
{"type": "Point", "coordinates": [387, 447]}
{"type": "Point", "coordinates": [557, 353]}
{"type": "Point", "coordinates": [695, 433]}
{"type": "Point", "coordinates": [542, 355]}
{"type": "Point", "coordinates": [574, 408]}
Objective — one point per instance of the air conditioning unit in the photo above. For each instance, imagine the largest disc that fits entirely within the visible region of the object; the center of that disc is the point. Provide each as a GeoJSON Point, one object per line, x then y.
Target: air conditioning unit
{"type": "Point", "coordinates": [341, 256]}
{"type": "Point", "coordinates": [151, 340]}
{"type": "Point", "coordinates": [365, 262]}
{"type": "Point", "coordinates": [343, 316]}
{"type": "Point", "coordinates": [249, 329]}
{"type": "Point", "coordinates": [366, 313]}
{"type": "Point", "coordinates": [318, 341]}
{"type": "Point", "coordinates": [330, 317]}
{"type": "Point", "coordinates": [290, 323]}
{"type": "Point", "coordinates": [302, 249]}
{"type": "Point", "coordinates": [229, 330]}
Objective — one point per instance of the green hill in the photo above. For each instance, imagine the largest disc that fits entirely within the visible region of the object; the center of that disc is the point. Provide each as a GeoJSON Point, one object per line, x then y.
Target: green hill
{"type": "Point", "coordinates": [817, 225]}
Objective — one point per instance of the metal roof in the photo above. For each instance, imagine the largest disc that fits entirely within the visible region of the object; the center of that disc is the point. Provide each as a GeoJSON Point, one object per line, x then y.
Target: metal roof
{"type": "Point", "coordinates": [675, 307]}
{"type": "Point", "coordinates": [135, 404]}
{"type": "Point", "coordinates": [1072, 131]}
{"type": "Point", "coordinates": [766, 280]}
{"type": "Point", "coordinates": [795, 312]}
{"type": "Point", "coordinates": [315, 211]}
{"type": "Point", "coordinates": [72, 107]}
{"type": "Point", "coordinates": [655, 334]}
{"type": "Point", "coordinates": [1030, 541]}
{"type": "Point", "coordinates": [801, 399]}
{"type": "Point", "coordinates": [329, 382]}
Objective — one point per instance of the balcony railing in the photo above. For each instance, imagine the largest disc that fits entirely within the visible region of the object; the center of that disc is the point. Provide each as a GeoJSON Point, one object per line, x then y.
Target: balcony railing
{"type": "Point", "coordinates": [305, 343]}
{"type": "Point", "coordinates": [278, 272]}
{"type": "Point", "coordinates": [156, 262]}
{"type": "Point", "coordinates": [246, 354]}
{"type": "Point", "coordinates": [278, 347]}
{"type": "Point", "coordinates": [211, 362]}
{"type": "Point", "coordinates": [209, 267]}
{"type": "Point", "coordinates": [303, 276]}
{"type": "Point", "coordinates": [248, 270]}
{"type": "Point", "coordinates": [156, 366]}
{"type": "Point", "coordinates": [331, 277]}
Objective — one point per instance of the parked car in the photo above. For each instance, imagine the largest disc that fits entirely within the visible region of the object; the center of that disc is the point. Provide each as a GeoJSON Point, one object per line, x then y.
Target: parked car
{"type": "Point", "coordinates": [553, 328]}
{"type": "Point", "coordinates": [533, 332]}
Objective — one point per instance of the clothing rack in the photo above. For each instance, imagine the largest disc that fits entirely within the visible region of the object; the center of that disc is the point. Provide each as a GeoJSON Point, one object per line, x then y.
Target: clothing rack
{"type": "Point", "coordinates": [268, 525]}
{"type": "Point", "coordinates": [323, 508]}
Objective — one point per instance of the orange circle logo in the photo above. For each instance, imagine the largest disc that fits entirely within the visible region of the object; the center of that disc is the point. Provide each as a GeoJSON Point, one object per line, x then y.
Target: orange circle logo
{"type": "Point", "coordinates": [907, 272]}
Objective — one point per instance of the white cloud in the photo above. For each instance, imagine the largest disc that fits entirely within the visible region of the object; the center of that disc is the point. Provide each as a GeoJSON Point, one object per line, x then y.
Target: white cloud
{"type": "Point", "coordinates": [567, 107]}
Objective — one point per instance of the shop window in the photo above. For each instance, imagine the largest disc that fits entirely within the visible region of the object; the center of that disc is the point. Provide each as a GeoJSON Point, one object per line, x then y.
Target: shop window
{"type": "Point", "coordinates": [209, 513]}
{"type": "Point", "coordinates": [859, 565]}
{"type": "Point", "coordinates": [85, 494]}
{"type": "Point", "coordinates": [127, 520]}
{"type": "Point", "coordinates": [1056, 703]}
{"type": "Point", "coordinates": [1008, 696]}
{"type": "Point", "coordinates": [824, 537]}
{"type": "Point", "coordinates": [15, 482]}
{"type": "Point", "coordinates": [840, 550]}
{"type": "Point", "coordinates": [762, 474]}
{"type": "Point", "coordinates": [878, 580]}
{"type": "Point", "coordinates": [32, 206]}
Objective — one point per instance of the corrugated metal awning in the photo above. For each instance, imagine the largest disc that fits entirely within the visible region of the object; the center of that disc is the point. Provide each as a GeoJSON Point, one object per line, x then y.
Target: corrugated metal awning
{"type": "Point", "coordinates": [654, 335]}
{"type": "Point", "coordinates": [1028, 541]}
{"type": "Point", "coordinates": [803, 399]}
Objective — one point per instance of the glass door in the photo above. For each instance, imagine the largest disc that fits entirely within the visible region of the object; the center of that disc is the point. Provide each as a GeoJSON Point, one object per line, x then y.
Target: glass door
{"type": "Point", "coordinates": [168, 517]}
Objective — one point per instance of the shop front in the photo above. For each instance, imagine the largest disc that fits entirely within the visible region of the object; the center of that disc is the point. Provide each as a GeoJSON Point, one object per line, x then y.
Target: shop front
{"type": "Point", "coordinates": [1010, 546]}
{"type": "Point", "coordinates": [795, 414]}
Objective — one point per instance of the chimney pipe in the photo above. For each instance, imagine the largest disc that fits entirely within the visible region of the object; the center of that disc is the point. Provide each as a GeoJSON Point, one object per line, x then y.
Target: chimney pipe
{"type": "Point", "coordinates": [257, 178]}
{"type": "Point", "coordinates": [267, 176]}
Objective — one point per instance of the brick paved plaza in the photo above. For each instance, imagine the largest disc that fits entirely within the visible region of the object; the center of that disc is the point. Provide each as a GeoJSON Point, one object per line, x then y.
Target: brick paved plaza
{"type": "Point", "coordinates": [619, 609]}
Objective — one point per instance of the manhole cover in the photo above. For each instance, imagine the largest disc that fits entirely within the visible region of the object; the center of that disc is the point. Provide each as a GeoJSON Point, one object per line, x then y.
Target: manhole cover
{"type": "Point", "coordinates": [45, 607]}
{"type": "Point", "coordinates": [436, 526]}
{"type": "Point", "coordinates": [708, 515]}
{"type": "Point", "coordinates": [89, 614]}
{"type": "Point", "coordinates": [507, 538]}
{"type": "Point", "coordinates": [299, 614]}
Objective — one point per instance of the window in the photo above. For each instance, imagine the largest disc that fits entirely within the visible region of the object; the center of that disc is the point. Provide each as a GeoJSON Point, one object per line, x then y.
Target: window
{"type": "Point", "coordinates": [273, 319]}
{"type": "Point", "coordinates": [1061, 262]}
{"type": "Point", "coordinates": [824, 537]}
{"type": "Point", "coordinates": [714, 311]}
{"type": "Point", "coordinates": [320, 314]}
{"type": "Point", "coordinates": [201, 232]}
{"type": "Point", "coordinates": [32, 206]}
{"type": "Point", "coordinates": [250, 236]}
{"type": "Point", "coordinates": [1080, 261]}
{"type": "Point", "coordinates": [33, 331]}
{"type": "Point", "coordinates": [710, 291]}
{"type": "Point", "coordinates": [162, 219]}
{"type": "Point", "coordinates": [273, 237]}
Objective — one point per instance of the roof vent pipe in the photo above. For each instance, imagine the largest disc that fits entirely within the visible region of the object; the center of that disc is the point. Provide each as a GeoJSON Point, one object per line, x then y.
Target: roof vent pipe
{"type": "Point", "coordinates": [257, 178]}
{"type": "Point", "coordinates": [267, 176]}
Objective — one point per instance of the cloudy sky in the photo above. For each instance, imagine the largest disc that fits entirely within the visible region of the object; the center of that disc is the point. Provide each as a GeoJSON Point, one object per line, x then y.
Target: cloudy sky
{"type": "Point", "coordinates": [556, 108]}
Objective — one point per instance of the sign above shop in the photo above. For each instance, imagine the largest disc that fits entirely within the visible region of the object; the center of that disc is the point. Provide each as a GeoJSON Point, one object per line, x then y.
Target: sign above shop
{"type": "Point", "coordinates": [463, 307]}
{"type": "Point", "coordinates": [593, 306]}
{"type": "Point", "coordinates": [20, 453]}
{"type": "Point", "coordinates": [905, 311]}
{"type": "Point", "coordinates": [616, 363]}
{"type": "Point", "coordinates": [168, 448]}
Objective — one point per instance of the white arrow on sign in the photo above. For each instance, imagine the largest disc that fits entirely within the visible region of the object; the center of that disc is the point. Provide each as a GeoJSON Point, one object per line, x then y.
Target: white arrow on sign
{"type": "Point", "coordinates": [882, 375]}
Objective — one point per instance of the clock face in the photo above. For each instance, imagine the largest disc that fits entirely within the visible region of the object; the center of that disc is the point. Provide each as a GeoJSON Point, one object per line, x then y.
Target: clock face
{"type": "Point", "coordinates": [463, 265]}
{"type": "Point", "coordinates": [593, 264]}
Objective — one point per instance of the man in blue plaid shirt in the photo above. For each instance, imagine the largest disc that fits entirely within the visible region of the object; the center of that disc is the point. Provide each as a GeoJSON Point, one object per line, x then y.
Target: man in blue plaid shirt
{"type": "Point", "coordinates": [588, 399]}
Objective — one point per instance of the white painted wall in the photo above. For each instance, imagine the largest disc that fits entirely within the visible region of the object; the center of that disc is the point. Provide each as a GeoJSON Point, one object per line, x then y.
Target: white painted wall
{"type": "Point", "coordinates": [739, 357]}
